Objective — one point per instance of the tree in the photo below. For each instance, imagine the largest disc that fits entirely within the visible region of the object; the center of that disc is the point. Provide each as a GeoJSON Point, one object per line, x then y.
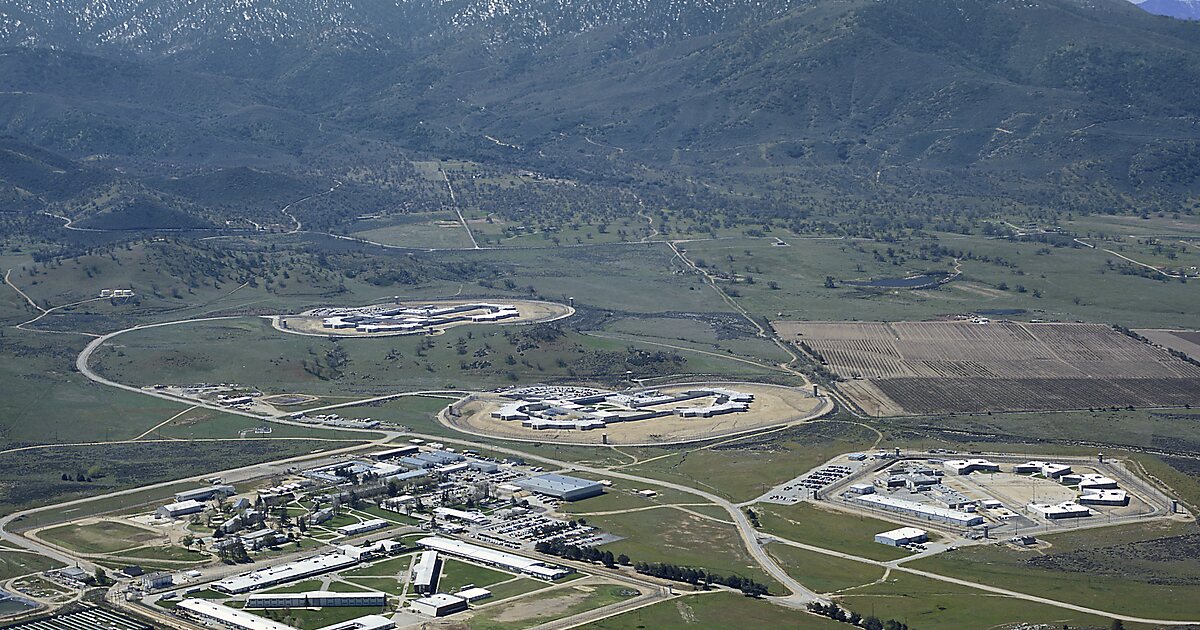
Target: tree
{"type": "Point", "coordinates": [872, 623]}
{"type": "Point", "coordinates": [101, 576]}
{"type": "Point", "coordinates": [623, 560]}
{"type": "Point", "coordinates": [1117, 624]}
{"type": "Point", "coordinates": [829, 283]}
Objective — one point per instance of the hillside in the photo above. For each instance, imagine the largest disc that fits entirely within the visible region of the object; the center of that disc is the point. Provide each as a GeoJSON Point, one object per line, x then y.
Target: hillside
{"type": "Point", "coordinates": [982, 102]}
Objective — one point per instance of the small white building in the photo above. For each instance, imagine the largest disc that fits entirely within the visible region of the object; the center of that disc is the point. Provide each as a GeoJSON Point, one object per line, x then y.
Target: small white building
{"type": "Point", "coordinates": [371, 525]}
{"type": "Point", "coordinates": [474, 594]}
{"type": "Point", "coordinates": [902, 536]}
{"type": "Point", "coordinates": [1055, 511]}
{"type": "Point", "coordinates": [862, 488]}
{"type": "Point", "coordinates": [1104, 497]}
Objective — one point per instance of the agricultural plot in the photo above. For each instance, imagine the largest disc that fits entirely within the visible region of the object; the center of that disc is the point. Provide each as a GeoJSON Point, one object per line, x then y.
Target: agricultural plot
{"type": "Point", "coordinates": [963, 367]}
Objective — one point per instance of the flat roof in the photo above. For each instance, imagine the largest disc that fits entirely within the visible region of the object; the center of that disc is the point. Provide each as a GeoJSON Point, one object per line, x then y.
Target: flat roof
{"type": "Point", "coordinates": [439, 600]}
{"type": "Point", "coordinates": [473, 593]}
{"type": "Point", "coordinates": [923, 508]}
{"type": "Point", "coordinates": [230, 616]}
{"type": "Point", "coordinates": [904, 532]}
{"type": "Point", "coordinates": [284, 572]}
{"type": "Point", "coordinates": [556, 483]}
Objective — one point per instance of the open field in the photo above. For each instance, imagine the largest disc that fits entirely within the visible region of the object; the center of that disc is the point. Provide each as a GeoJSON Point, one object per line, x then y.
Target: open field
{"type": "Point", "coordinates": [771, 406]}
{"type": "Point", "coordinates": [549, 605]}
{"type": "Point", "coordinates": [934, 605]}
{"type": "Point", "coordinates": [944, 367]}
{"type": "Point", "coordinates": [1185, 341]}
{"type": "Point", "coordinates": [683, 539]}
{"type": "Point", "coordinates": [98, 536]}
{"type": "Point", "coordinates": [717, 609]}
{"type": "Point", "coordinates": [1060, 283]}
{"type": "Point", "coordinates": [829, 529]}
{"type": "Point", "coordinates": [823, 573]}
{"type": "Point", "coordinates": [1146, 570]}
{"type": "Point", "coordinates": [14, 563]}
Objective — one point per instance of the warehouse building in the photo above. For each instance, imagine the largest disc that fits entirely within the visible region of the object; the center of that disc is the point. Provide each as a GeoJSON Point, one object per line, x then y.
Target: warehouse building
{"type": "Point", "coordinates": [181, 508]}
{"type": "Point", "coordinates": [439, 605]}
{"type": "Point", "coordinates": [425, 572]}
{"type": "Point", "coordinates": [919, 510]}
{"type": "Point", "coordinates": [205, 494]}
{"type": "Point", "coordinates": [502, 559]}
{"type": "Point", "coordinates": [902, 536]}
{"type": "Point", "coordinates": [284, 573]}
{"type": "Point", "coordinates": [561, 486]}
{"type": "Point", "coordinates": [316, 599]}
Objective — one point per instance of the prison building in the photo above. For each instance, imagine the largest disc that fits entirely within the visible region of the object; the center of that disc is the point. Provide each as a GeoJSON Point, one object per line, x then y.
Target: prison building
{"type": "Point", "coordinates": [316, 599]}
{"type": "Point", "coordinates": [439, 605]}
{"type": "Point", "coordinates": [902, 536]}
{"type": "Point", "coordinates": [181, 508]}
{"type": "Point", "coordinates": [204, 494]}
{"type": "Point", "coordinates": [501, 559]}
{"type": "Point", "coordinates": [425, 572]}
{"type": "Point", "coordinates": [561, 486]}
{"type": "Point", "coordinates": [284, 573]}
{"type": "Point", "coordinates": [919, 510]}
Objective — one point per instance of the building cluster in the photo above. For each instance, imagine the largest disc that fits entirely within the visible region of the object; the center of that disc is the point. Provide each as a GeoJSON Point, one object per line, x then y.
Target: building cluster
{"type": "Point", "coordinates": [116, 293]}
{"type": "Point", "coordinates": [415, 320]}
{"type": "Point", "coordinates": [595, 410]}
{"type": "Point", "coordinates": [917, 490]}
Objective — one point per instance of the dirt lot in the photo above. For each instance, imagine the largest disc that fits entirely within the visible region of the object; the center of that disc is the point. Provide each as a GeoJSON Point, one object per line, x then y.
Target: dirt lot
{"type": "Point", "coordinates": [530, 312]}
{"type": "Point", "coordinates": [959, 366]}
{"type": "Point", "coordinates": [1185, 341]}
{"type": "Point", "coordinates": [772, 405]}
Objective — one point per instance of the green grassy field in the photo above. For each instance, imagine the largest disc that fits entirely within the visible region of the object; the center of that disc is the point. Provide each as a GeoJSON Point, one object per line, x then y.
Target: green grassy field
{"type": "Point", "coordinates": [513, 588]}
{"type": "Point", "coordinates": [15, 563]}
{"type": "Point", "coordinates": [165, 553]}
{"type": "Point", "coordinates": [828, 529]}
{"type": "Point", "coordinates": [389, 586]}
{"type": "Point", "coordinates": [823, 573]}
{"type": "Point", "coordinates": [391, 566]}
{"type": "Point", "coordinates": [716, 609]}
{"type": "Point", "coordinates": [548, 606]}
{"type": "Point", "coordinates": [1160, 587]}
{"type": "Point", "coordinates": [457, 574]}
{"type": "Point", "coordinates": [684, 539]}
{"type": "Point", "coordinates": [100, 537]}
{"type": "Point", "coordinates": [933, 605]}
{"type": "Point", "coordinates": [1059, 275]}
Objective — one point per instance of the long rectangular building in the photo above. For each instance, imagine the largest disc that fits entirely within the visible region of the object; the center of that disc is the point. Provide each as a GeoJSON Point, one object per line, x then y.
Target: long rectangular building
{"type": "Point", "coordinates": [502, 559]}
{"type": "Point", "coordinates": [284, 573]}
{"type": "Point", "coordinates": [425, 573]}
{"type": "Point", "coordinates": [316, 599]}
{"type": "Point", "coordinates": [919, 510]}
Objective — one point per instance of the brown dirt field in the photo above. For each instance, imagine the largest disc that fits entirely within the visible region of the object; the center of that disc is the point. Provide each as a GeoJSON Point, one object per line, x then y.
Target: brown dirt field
{"type": "Point", "coordinates": [1185, 341]}
{"type": "Point", "coordinates": [958, 366]}
{"type": "Point", "coordinates": [530, 311]}
{"type": "Point", "coordinates": [871, 399]}
{"type": "Point", "coordinates": [772, 405]}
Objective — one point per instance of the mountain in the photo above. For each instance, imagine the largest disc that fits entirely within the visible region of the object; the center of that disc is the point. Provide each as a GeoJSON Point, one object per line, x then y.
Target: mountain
{"type": "Point", "coordinates": [1181, 9]}
{"type": "Point", "coordinates": [1086, 105]}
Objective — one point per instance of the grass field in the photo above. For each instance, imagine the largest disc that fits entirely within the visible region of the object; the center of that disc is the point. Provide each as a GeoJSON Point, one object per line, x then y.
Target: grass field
{"type": "Point", "coordinates": [1128, 588]}
{"type": "Point", "coordinates": [932, 605]}
{"type": "Point", "coordinates": [99, 537]}
{"type": "Point", "coordinates": [391, 566]}
{"type": "Point", "coordinates": [717, 609]}
{"type": "Point", "coordinates": [1061, 276]}
{"type": "Point", "coordinates": [165, 553]}
{"type": "Point", "coordinates": [822, 573]}
{"type": "Point", "coordinates": [828, 529]}
{"type": "Point", "coordinates": [386, 585]}
{"type": "Point", "coordinates": [457, 574]}
{"type": "Point", "coordinates": [548, 606]}
{"type": "Point", "coordinates": [683, 539]}
{"type": "Point", "coordinates": [513, 588]}
{"type": "Point", "coordinates": [15, 563]}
